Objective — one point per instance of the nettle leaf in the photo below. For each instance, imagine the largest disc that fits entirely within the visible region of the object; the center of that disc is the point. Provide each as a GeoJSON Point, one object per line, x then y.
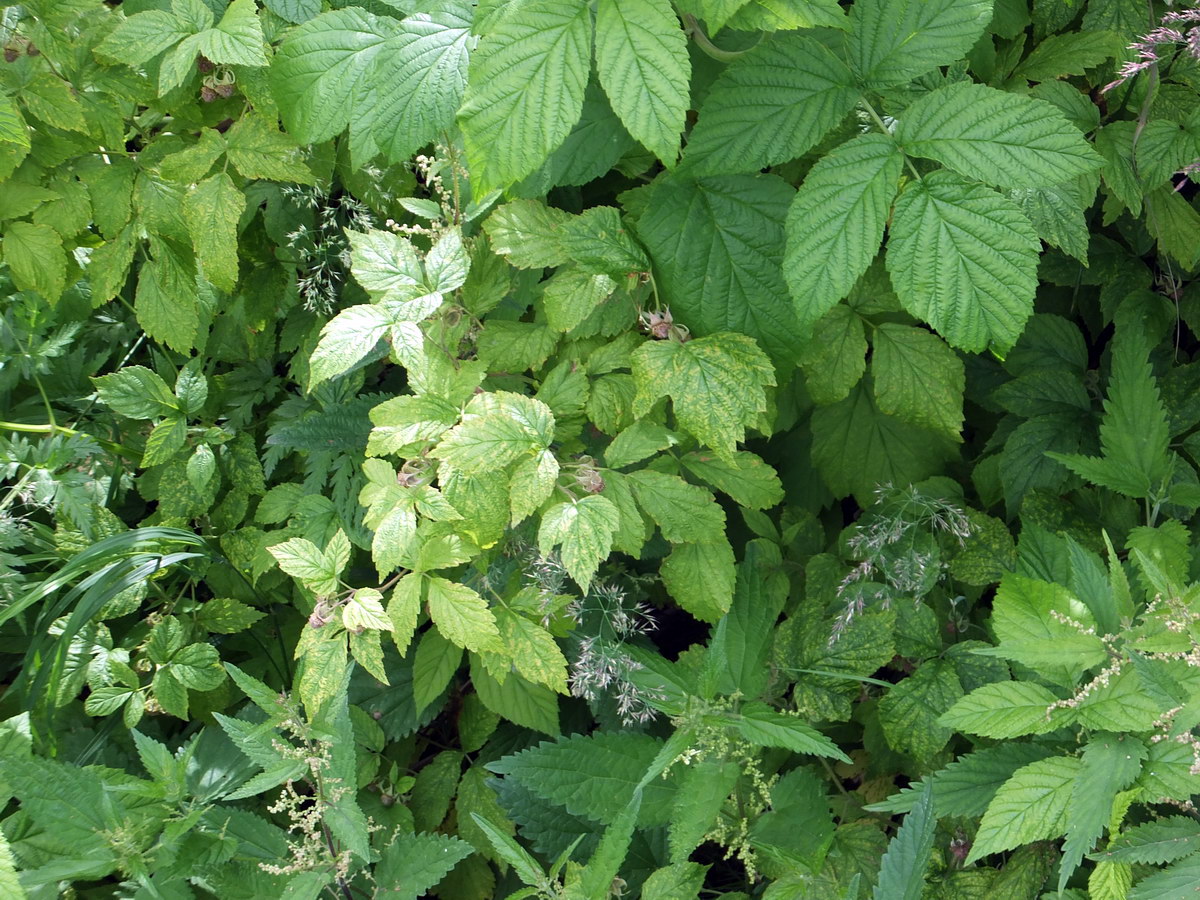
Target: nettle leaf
{"type": "Point", "coordinates": [996, 136]}
{"type": "Point", "coordinates": [1005, 709]}
{"type": "Point", "coordinates": [496, 430]}
{"type": "Point", "coordinates": [761, 725]}
{"type": "Point", "coordinates": [584, 531]}
{"type": "Point", "coordinates": [643, 64]}
{"type": "Point", "coordinates": [1134, 434]}
{"type": "Point", "coordinates": [1111, 763]}
{"type": "Point", "coordinates": [891, 42]}
{"type": "Point", "coordinates": [1032, 620]}
{"type": "Point", "coordinates": [717, 385]}
{"type": "Point", "coordinates": [319, 68]}
{"type": "Point", "coordinates": [770, 105]}
{"type": "Point", "coordinates": [836, 221]}
{"type": "Point", "coordinates": [595, 776]}
{"type": "Point", "coordinates": [420, 77]}
{"type": "Point", "coordinates": [717, 246]}
{"type": "Point", "coordinates": [1030, 806]}
{"type": "Point", "coordinates": [1162, 841]}
{"type": "Point", "coordinates": [918, 378]}
{"type": "Point", "coordinates": [525, 90]}
{"type": "Point", "coordinates": [902, 871]}
{"type": "Point", "coordinates": [411, 864]}
{"type": "Point", "coordinates": [967, 785]}
{"type": "Point", "coordinates": [964, 259]}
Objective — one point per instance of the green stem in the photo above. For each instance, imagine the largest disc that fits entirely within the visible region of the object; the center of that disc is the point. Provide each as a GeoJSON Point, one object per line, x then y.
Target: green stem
{"type": "Point", "coordinates": [110, 446]}
{"type": "Point", "coordinates": [878, 120]}
{"type": "Point", "coordinates": [692, 27]}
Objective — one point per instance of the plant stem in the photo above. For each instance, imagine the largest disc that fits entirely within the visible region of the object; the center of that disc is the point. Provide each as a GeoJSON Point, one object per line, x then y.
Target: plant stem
{"type": "Point", "coordinates": [110, 446]}
{"type": "Point", "coordinates": [878, 120]}
{"type": "Point", "coordinates": [692, 27]}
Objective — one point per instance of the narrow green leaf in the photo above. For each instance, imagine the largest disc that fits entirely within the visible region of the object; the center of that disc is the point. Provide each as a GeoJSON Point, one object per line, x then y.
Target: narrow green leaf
{"type": "Point", "coordinates": [835, 223]}
{"type": "Point", "coordinates": [902, 872]}
{"type": "Point", "coordinates": [1031, 806]}
{"type": "Point", "coordinates": [212, 209]}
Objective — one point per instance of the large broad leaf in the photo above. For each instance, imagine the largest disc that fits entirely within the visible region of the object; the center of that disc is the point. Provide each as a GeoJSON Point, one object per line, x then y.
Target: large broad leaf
{"type": "Point", "coordinates": [643, 64]}
{"type": "Point", "coordinates": [769, 106]}
{"type": "Point", "coordinates": [918, 378]}
{"type": "Point", "coordinates": [525, 90]}
{"type": "Point", "coordinates": [893, 41]}
{"type": "Point", "coordinates": [964, 259]}
{"type": "Point", "coordinates": [594, 776]}
{"type": "Point", "coordinates": [856, 447]}
{"type": "Point", "coordinates": [717, 384]}
{"type": "Point", "coordinates": [421, 73]}
{"type": "Point", "coordinates": [317, 70]}
{"type": "Point", "coordinates": [1031, 806]}
{"type": "Point", "coordinates": [995, 136]}
{"type": "Point", "coordinates": [836, 222]}
{"type": "Point", "coordinates": [583, 530]}
{"type": "Point", "coordinates": [717, 245]}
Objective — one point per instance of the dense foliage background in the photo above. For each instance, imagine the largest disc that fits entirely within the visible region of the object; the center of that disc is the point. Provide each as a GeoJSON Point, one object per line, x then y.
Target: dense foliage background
{"type": "Point", "coordinates": [569, 449]}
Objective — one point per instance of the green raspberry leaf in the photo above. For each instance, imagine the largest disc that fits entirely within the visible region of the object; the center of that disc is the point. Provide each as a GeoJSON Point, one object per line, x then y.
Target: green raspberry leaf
{"type": "Point", "coordinates": [643, 64]}
{"type": "Point", "coordinates": [964, 259]}
{"type": "Point", "coordinates": [835, 223]}
{"type": "Point", "coordinates": [996, 136]}
{"type": "Point", "coordinates": [525, 90]}
{"type": "Point", "coordinates": [716, 383]}
{"type": "Point", "coordinates": [584, 530]}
